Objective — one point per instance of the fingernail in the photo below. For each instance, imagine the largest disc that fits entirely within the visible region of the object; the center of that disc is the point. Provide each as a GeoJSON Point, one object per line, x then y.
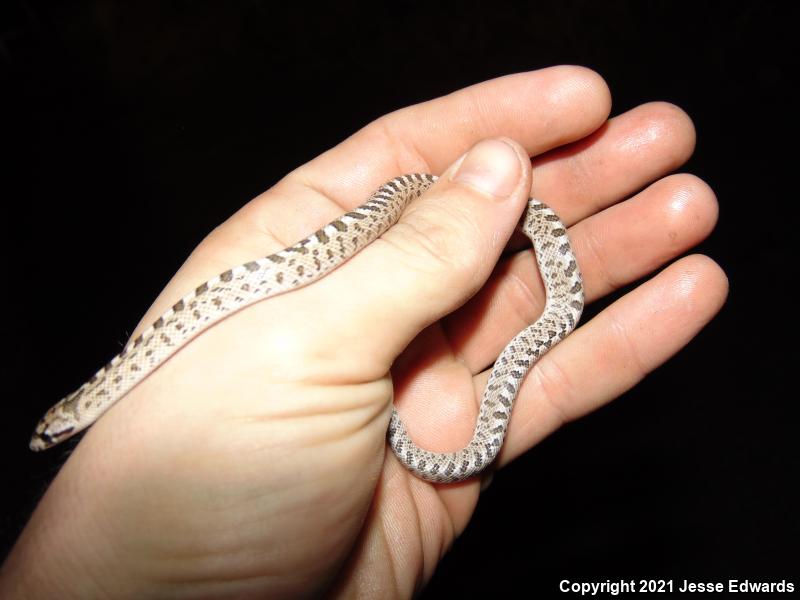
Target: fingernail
{"type": "Point", "coordinates": [491, 166]}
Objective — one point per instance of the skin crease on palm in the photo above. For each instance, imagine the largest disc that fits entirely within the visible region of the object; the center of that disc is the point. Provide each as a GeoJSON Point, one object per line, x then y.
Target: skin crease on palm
{"type": "Point", "coordinates": [254, 462]}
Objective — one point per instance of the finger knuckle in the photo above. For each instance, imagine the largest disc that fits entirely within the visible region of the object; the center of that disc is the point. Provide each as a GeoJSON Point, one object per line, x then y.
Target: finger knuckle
{"type": "Point", "coordinates": [555, 388]}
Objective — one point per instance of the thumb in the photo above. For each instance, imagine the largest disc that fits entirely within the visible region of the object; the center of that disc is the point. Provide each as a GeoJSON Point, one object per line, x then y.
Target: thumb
{"type": "Point", "coordinates": [440, 252]}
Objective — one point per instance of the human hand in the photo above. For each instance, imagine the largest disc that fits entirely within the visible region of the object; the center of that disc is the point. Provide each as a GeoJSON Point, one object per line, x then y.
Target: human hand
{"type": "Point", "coordinates": [253, 462]}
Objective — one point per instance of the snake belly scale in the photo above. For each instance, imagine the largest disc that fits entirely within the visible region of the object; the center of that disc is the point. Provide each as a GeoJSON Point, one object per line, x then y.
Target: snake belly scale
{"type": "Point", "coordinates": [309, 260]}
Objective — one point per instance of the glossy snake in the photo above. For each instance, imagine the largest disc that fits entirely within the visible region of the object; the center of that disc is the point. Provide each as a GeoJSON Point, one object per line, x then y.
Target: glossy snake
{"type": "Point", "coordinates": [308, 261]}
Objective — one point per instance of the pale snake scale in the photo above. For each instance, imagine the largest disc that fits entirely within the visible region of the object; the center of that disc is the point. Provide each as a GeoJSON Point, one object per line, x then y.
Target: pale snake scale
{"type": "Point", "coordinates": [309, 260]}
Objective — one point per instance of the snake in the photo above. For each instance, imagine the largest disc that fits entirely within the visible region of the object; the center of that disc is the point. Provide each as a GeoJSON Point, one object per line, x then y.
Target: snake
{"type": "Point", "coordinates": [308, 261]}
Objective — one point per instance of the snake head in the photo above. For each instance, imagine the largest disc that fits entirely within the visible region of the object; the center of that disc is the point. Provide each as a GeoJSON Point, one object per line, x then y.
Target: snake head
{"type": "Point", "coordinates": [49, 433]}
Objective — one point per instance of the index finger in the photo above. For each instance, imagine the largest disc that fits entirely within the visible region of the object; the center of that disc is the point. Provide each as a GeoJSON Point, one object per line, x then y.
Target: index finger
{"type": "Point", "coordinates": [539, 109]}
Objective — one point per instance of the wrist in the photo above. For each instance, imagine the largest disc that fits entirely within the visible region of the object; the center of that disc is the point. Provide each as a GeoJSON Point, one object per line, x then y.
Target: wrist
{"type": "Point", "coordinates": [61, 552]}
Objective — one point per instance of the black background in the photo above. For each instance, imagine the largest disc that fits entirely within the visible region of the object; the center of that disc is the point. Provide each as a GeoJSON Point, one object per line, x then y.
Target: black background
{"type": "Point", "coordinates": [132, 129]}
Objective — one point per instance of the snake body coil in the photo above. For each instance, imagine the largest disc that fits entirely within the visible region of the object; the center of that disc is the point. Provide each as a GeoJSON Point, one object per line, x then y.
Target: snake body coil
{"type": "Point", "coordinates": [309, 260]}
